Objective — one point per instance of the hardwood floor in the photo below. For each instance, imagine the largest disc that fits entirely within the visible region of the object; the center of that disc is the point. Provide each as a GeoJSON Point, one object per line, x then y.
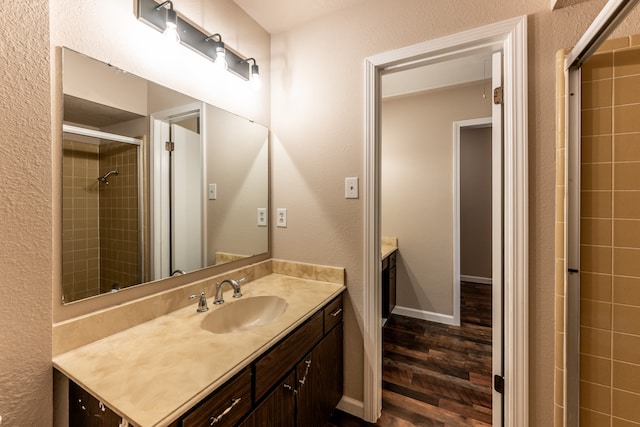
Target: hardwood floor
{"type": "Point", "coordinates": [435, 374]}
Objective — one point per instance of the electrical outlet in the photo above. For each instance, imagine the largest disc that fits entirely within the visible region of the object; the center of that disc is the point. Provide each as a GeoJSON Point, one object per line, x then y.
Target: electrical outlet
{"type": "Point", "coordinates": [281, 220]}
{"type": "Point", "coordinates": [262, 217]}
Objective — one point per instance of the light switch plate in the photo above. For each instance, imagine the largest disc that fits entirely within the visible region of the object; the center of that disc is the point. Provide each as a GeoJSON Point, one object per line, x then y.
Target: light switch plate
{"type": "Point", "coordinates": [351, 188]}
{"type": "Point", "coordinates": [262, 217]}
{"type": "Point", "coordinates": [213, 191]}
{"type": "Point", "coordinates": [281, 220]}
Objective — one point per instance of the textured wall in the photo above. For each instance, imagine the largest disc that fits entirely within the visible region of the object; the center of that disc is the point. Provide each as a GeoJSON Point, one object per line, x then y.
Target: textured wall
{"type": "Point", "coordinates": [25, 214]}
{"type": "Point", "coordinates": [318, 123]}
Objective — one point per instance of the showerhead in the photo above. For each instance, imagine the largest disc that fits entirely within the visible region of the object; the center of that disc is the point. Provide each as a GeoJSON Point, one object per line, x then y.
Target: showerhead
{"type": "Point", "coordinates": [104, 177]}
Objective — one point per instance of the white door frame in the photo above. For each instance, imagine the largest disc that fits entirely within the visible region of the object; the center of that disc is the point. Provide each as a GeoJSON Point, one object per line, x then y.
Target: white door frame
{"type": "Point", "coordinates": [458, 125]}
{"type": "Point", "coordinates": [158, 169]}
{"type": "Point", "coordinates": [510, 36]}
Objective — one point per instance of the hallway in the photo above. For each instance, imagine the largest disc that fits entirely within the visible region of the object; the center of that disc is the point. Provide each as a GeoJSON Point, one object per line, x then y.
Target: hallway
{"type": "Point", "coordinates": [435, 374]}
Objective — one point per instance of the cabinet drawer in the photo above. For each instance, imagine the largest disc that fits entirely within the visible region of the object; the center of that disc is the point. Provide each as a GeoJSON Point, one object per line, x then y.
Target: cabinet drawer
{"type": "Point", "coordinates": [333, 314]}
{"type": "Point", "coordinates": [286, 354]}
{"type": "Point", "coordinates": [223, 404]}
{"type": "Point", "coordinates": [392, 259]}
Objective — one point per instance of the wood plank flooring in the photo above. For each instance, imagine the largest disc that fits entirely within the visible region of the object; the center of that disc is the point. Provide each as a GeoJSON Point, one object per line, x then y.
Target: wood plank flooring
{"type": "Point", "coordinates": [436, 375]}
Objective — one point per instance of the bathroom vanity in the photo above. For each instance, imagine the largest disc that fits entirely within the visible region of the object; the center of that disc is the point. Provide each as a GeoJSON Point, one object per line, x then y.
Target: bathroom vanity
{"type": "Point", "coordinates": [388, 255]}
{"type": "Point", "coordinates": [171, 371]}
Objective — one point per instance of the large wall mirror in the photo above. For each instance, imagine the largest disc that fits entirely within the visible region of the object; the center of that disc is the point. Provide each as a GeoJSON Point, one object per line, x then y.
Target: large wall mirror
{"type": "Point", "coordinates": [155, 183]}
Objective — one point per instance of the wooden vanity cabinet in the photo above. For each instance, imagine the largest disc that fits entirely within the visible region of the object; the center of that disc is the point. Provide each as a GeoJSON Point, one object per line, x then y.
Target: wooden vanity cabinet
{"type": "Point", "coordinates": [297, 383]}
{"type": "Point", "coordinates": [312, 385]}
{"type": "Point", "coordinates": [388, 284]}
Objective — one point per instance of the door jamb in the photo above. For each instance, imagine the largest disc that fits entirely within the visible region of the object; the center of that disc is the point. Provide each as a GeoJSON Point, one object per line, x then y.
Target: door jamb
{"type": "Point", "coordinates": [511, 37]}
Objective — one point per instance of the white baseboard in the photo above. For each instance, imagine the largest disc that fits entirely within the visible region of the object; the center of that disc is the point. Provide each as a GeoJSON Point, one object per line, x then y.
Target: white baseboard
{"type": "Point", "coordinates": [476, 279]}
{"type": "Point", "coordinates": [351, 406]}
{"type": "Point", "coordinates": [447, 319]}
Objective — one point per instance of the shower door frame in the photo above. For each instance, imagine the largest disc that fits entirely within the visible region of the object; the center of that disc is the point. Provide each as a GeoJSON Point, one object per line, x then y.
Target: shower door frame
{"type": "Point", "coordinates": [612, 14]}
{"type": "Point", "coordinates": [92, 133]}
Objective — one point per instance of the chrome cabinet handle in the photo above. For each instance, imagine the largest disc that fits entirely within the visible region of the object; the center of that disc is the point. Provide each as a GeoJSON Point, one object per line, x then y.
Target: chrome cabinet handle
{"type": "Point", "coordinates": [335, 313]}
{"type": "Point", "coordinates": [234, 402]}
{"type": "Point", "coordinates": [306, 373]}
{"type": "Point", "coordinates": [288, 387]}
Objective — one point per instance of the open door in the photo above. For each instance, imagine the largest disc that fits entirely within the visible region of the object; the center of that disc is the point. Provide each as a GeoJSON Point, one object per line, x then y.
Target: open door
{"type": "Point", "coordinates": [497, 239]}
{"type": "Point", "coordinates": [186, 200]}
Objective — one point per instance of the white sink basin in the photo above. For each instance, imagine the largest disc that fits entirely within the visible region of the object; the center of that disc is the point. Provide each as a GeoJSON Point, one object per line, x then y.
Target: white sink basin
{"type": "Point", "coordinates": [243, 314]}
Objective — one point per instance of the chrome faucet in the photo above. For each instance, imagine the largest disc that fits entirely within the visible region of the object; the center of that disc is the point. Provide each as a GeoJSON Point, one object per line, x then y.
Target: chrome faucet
{"type": "Point", "coordinates": [235, 284]}
{"type": "Point", "coordinates": [202, 302]}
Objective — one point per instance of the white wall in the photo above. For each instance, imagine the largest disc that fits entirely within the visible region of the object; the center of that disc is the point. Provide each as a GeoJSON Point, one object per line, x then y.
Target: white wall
{"type": "Point", "coordinates": [318, 123]}
{"type": "Point", "coordinates": [417, 189]}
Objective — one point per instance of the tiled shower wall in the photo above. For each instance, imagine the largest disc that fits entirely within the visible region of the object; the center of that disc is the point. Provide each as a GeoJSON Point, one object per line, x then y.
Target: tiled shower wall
{"type": "Point", "coordinates": [609, 240]}
{"type": "Point", "coordinates": [100, 222]}
{"type": "Point", "coordinates": [119, 257]}
{"type": "Point", "coordinates": [80, 239]}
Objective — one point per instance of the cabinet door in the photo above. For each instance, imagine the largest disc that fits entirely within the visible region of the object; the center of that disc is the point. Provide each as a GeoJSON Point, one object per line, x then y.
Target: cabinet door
{"type": "Point", "coordinates": [86, 411]}
{"type": "Point", "coordinates": [278, 408]}
{"type": "Point", "coordinates": [320, 379]}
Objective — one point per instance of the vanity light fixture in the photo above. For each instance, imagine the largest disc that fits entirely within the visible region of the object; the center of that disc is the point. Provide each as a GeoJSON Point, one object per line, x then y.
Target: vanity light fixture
{"type": "Point", "coordinates": [220, 52]}
{"type": "Point", "coordinates": [254, 74]}
{"type": "Point", "coordinates": [160, 17]}
{"type": "Point", "coordinates": [171, 22]}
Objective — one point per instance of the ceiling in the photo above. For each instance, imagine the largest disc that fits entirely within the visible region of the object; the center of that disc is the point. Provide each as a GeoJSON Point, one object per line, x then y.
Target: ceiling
{"type": "Point", "coordinates": [277, 16]}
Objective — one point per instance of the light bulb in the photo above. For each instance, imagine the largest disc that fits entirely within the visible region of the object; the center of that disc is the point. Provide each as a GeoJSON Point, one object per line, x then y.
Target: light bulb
{"type": "Point", "coordinates": [171, 29]}
{"type": "Point", "coordinates": [256, 82]}
{"type": "Point", "coordinates": [221, 60]}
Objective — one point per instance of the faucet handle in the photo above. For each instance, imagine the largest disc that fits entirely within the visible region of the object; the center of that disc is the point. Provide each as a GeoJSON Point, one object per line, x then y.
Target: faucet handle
{"type": "Point", "coordinates": [202, 303]}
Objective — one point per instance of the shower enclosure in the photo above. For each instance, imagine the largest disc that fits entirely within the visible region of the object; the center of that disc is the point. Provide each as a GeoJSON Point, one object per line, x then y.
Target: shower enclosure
{"type": "Point", "coordinates": [102, 212]}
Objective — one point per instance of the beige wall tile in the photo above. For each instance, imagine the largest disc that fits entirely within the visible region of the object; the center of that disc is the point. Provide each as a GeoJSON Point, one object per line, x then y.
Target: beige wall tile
{"type": "Point", "coordinates": [618, 422]}
{"type": "Point", "coordinates": [626, 319]}
{"type": "Point", "coordinates": [560, 202]}
{"type": "Point", "coordinates": [593, 419]}
{"type": "Point", "coordinates": [595, 231]}
{"type": "Point", "coordinates": [560, 166]}
{"type": "Point", "coordinates": [597, 93]}
{"type": "Point", "coordinates": [558, 380]}
{"type": "Point", "coordinates": [595, 287]}
{"type": "Point", "coordinates": [558, 416]}
{"type": "Point", "coordinates": [626, 405]}
{"type": "Point", "coordinates": [626, 119]}
{"type": "Point", "coordinates": [559, 313]}
{"type": "Point", "coordinates": [596, 176]}
{"type": "Point", "coordinates": [559, 277]}
{"type": "Point", "coordinates": [626, 348]}
{"type": "Point", "coordinates": [626, 376]}
{"type": "Point", "coordinates": [595, 259]}
{"type": "Point", "coordinates": [598, 67]}
{"type": "Point", "coordinates": [626, 204]}
{"type": "Point", "coordinates": [626, 62]}
{"type": "Point", "coordinates": [627, 176]}
{"type": "Point", "coordinates": [597, 121]}
{"type": "Point", "coordinates": [595, 369]}
{"type": "Point", "coordinates": [595, 342]}
{"type": "Point", "coordinates": [597, 149]}
{"type": "Point", "coordinates": [634, 40]}
{"type": "Point", "coordinates": [595, 314]}
{"type": "Point", "coordinates": [626, 233]}
{"type": "Point", "coordinates": [595, 397]}
{"type": "Point", "coordinates": [613, 44]}
{"type": "Point", "coordinates": [626, 90]}
{"type": "Point", "coordinates": [626, 262]}
{"type": "Point", "coordinates": [626, 290]}
{"type": "Point", "coordinates": [559, 349]}
{"type": "Point", "coordinates": [595, 204]}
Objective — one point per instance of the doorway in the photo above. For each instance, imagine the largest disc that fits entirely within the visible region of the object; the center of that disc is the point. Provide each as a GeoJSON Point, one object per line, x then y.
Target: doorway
{"type": "Point", "coordinates": [509, 38]}
{"type": "Point", "coordinates": [177, 151]}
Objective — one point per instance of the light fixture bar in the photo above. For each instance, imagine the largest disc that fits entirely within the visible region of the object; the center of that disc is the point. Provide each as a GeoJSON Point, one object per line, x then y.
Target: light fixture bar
{"type": "Point", "coordinates": [192, 37]}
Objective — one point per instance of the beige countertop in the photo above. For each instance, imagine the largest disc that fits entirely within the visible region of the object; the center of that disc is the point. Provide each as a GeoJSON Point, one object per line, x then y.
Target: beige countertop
{"type": "Point", "coordinates": [388, 246]}
{"type": "Point", "coordinates": [152, 373]}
